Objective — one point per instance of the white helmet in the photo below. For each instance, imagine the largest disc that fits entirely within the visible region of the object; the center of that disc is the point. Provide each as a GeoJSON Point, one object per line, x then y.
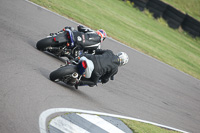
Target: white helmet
{"type": "Point", "coordinates": [123, 58]}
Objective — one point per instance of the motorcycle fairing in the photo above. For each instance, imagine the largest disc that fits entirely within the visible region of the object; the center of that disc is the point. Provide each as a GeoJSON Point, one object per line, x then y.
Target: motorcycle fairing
{"type": "Point", "coordinates": [61, 37]}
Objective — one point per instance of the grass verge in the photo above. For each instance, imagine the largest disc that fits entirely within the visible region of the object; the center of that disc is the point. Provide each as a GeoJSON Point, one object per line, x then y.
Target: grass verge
{"type": "Point", "coordinates": [139, 127]}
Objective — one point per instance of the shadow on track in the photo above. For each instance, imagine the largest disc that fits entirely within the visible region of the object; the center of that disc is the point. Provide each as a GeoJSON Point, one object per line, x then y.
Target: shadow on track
{"type": "Point", "coordinates": [56, 57]}
{"type": "Point", "coordinates": [82, 92]}
{"type": "Point", "coordinates": [33, 44]}
{"type": "Point", "coordinates": [44, 72]}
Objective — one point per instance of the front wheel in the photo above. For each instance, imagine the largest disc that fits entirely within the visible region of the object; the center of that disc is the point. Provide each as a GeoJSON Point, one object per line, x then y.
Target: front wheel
{"type": "Point", "coordinates": [44, 43]}
{"type": "Point", "coordinates": [62, 71]}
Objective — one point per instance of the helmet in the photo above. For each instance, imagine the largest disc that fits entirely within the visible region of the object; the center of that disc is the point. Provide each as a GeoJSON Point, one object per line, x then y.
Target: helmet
{"type": "Point", "coordinates": [123, 57]}
{"type": "Point", "coordinates": [102, 34]}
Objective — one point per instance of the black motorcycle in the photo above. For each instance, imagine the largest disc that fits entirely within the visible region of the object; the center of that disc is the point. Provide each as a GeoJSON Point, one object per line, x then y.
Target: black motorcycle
{"type": "Point", "coordinates": [70, 74]}
{"type": "Point", "coordinates": [62, 44]}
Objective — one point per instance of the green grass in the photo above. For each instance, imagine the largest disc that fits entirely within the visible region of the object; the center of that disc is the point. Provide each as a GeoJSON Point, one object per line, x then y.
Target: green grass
{"type": "Point", "coordinates": [139, 127]}
{"type": "Point", "coordinates": [134, 28]}
{"type": "Point", "coordinates": [191, 7]}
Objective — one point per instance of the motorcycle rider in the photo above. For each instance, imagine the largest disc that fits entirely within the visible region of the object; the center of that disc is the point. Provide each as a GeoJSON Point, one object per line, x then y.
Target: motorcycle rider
{"type": "Point", "coordinates": [105, 66]}
{"type": "Point", "coordinates": [84, 37]}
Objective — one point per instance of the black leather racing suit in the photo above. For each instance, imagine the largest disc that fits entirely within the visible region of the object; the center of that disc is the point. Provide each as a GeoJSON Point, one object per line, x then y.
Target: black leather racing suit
{"type": "Point", "coordinates": [86, 38]}
{"type": "Point", "coordinates": [105, 66]}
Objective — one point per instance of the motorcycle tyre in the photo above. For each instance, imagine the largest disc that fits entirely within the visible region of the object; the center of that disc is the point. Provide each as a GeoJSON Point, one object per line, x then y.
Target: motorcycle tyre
{"type": "Point", "coordinates": [44, 43]}
{"type": "Point", "coordinates": [62, 71]}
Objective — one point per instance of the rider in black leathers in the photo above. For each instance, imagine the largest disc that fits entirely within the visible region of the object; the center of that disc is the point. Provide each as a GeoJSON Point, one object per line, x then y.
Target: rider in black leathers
{"type": "Point", "coordinates": [87, 38]}
{"type": "Point", "coordinates": [105, 66]}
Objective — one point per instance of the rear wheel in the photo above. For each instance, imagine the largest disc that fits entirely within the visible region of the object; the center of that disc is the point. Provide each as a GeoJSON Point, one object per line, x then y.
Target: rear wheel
{"type": "Point", "coordinates": [63, 71]}
{"type": "Point", "coordinates": [44, 43]}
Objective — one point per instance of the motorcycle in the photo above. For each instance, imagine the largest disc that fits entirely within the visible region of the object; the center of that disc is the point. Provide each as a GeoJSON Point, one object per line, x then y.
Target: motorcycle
{"type": "Point", "coordinates": [71, 74]}
{"type": "Point", "coordinates": [62, 44]}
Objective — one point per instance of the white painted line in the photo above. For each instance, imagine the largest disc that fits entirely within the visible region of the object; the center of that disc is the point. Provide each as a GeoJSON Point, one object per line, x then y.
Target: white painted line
{"type": "Point", "coordinates": [101, 123]}
{"type": "Point", "coordinates": [66, 126]}
{"type": "Point", "coordinates": [44, 115]}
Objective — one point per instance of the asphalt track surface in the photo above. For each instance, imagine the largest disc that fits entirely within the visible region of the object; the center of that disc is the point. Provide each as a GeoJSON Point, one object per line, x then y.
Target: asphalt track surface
{"type": "Point", "coordinates": [145, 88]}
